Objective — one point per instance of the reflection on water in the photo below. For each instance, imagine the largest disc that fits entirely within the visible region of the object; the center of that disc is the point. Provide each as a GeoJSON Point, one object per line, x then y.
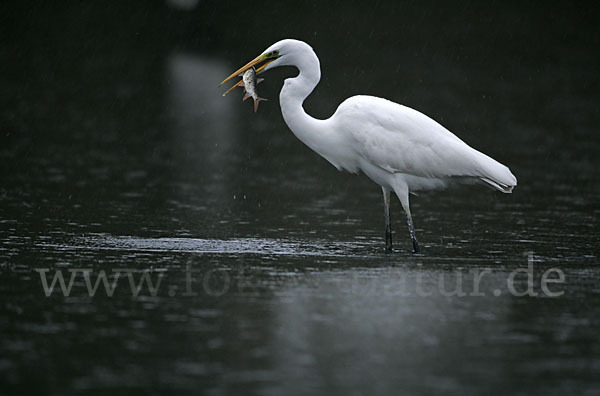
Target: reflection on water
{"type": "Point", "coordinates": [352, 332]}
{"type": "Point", "coordinates": [202, 128]}
{"type": "Point", "coordinates": [120, 153]}
{"type": "Point", "coordinates": [261, 246]}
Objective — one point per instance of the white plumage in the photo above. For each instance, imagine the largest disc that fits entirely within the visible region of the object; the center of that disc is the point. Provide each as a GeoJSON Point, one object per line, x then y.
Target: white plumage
{"type": "Point", "coordinates": [397, 147]}
{"type": "Point", "coordinates": [403, 141]}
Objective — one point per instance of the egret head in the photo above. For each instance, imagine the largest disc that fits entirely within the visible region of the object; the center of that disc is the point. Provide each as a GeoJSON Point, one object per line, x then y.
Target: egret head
{"type": "Point", "coordinates": [283, 53]}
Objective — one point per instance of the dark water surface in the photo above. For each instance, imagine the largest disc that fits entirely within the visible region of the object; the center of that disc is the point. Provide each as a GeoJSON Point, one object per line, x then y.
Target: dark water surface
{"type": "Point", "coordinates": [267, 269]}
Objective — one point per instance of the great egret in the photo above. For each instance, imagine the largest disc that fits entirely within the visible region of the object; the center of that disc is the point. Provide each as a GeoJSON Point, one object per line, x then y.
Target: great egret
{"type": "Point", "coordinates": [397, 147]}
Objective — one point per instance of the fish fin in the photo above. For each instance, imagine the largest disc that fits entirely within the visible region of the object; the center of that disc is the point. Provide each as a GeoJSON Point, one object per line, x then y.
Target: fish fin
{"type": "Point", "coordinates": [257, 101]}
{"type": "Point", "coordinates": [246, 96]}
{"type": "Point", "coordinates": [239, 84]}
{"type": "Point", "coordinates": [259, 80]}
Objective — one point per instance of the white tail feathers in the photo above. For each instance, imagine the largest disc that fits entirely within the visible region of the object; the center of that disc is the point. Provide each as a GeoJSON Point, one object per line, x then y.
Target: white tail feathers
{"type": "Point", "coordinates": [507, 189]}
{"type": "Point", "coordinates": [497, 175]}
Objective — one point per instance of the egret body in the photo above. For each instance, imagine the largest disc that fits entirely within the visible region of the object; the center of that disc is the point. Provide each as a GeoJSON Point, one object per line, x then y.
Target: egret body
{"type": "Point", "coordinates": [397, 147]}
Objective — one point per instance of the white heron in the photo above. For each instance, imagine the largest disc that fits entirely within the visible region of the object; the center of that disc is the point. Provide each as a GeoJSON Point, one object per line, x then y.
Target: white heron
{"type": "Point", "coordinates": [397, 147]}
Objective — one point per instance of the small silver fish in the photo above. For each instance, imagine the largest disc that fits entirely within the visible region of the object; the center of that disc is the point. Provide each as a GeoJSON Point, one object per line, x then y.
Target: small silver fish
{"type": "Point", "coordinates": [250, 82]}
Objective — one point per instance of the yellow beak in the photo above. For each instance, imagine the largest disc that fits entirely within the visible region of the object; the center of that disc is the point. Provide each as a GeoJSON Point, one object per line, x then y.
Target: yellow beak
{"type": "Point", "coordinates": [250, 64]}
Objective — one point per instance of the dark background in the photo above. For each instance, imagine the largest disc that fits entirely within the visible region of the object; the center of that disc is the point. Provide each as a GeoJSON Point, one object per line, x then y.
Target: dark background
{"type": "Point", "coordinates": [118, 150]}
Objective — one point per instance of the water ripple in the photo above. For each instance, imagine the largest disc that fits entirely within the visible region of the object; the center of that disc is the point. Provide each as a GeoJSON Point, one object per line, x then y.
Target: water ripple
{"type": "Point", "coordinates": [259, 246]}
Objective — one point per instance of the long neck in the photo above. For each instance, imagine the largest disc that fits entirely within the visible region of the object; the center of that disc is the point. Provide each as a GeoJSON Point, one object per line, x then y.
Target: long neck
{"type": "Point", "coordinates": [309, 130]}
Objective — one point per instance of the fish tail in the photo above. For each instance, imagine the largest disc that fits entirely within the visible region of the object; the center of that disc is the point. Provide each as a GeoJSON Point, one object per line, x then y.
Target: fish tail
{"type": "Point", "coordinates": [257, 101]}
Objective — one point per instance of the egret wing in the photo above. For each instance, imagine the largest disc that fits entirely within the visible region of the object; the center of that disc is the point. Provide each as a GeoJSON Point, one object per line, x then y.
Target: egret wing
{"type": "Point", "coordinates": [402, 140]}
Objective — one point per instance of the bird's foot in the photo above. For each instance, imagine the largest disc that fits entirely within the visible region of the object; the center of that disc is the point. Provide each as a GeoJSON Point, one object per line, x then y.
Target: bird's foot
{"type": "Point", "coordinates": [416, 246]}
{"type": "Point", "coordinates": [388, 239]}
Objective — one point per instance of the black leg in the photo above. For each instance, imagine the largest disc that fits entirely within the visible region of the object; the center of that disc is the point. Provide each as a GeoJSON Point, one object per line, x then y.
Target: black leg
{"type": "Point", "coordinates": [388, 229]}
{"type": "Point", "coordinates": [388, 219]}
{"type": "Point", "coordinates": [413, 234]}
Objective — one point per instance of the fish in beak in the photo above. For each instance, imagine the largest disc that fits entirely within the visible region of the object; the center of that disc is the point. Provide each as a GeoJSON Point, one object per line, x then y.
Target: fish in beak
{"type": "Point", "coordinates": [268, 57]}
{"type": "Point", "coordinates": [248, 73]}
